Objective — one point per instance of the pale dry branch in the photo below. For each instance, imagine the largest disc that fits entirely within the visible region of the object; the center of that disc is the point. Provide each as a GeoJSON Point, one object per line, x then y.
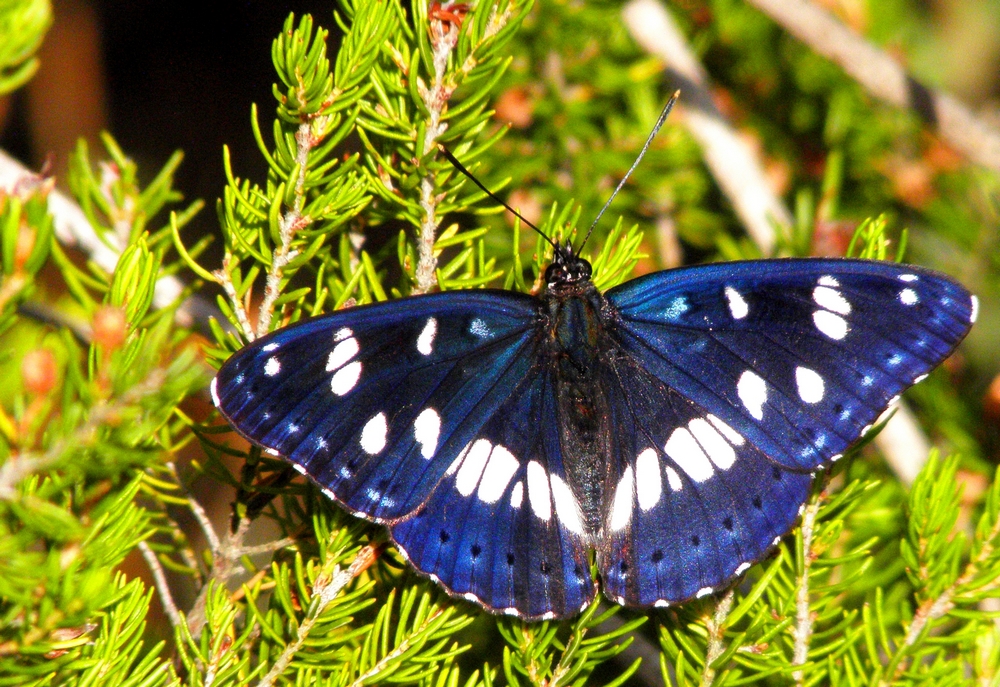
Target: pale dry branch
{"type": "Point", "coordinates": [886, 79]}
{"type": "Point", "coordinates": [730, 160]}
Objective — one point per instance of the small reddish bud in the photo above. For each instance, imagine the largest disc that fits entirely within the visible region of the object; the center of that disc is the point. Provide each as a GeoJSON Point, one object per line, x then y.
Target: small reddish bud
{"type": "Point", "coordinates": [527, 204]}
{"type": "Point", "coordinates": [25, 244]}
{"type": "Point", "coordinates": [515, 107]}
{"type": "Point", "coordinates": [110, 326]}
{"type": "Point", "coordinates": [39, 372]}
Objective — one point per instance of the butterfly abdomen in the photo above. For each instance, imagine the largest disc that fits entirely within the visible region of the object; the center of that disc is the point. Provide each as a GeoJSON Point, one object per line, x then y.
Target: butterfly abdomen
{"type": "Point", "coordinates": [574, 346]}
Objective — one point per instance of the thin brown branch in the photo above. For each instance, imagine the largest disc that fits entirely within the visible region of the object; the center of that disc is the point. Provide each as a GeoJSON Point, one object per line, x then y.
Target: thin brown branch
{"type": "Point", "coordinates": [226, 282]}
{"type": "Point", "coordinates": [932, 609]}
{"type": "Point", "coordinates": [225, 563]}
{"type": "Point", "coordinates": [160, 581]}
{"type": "Point", "coordinates": [716, 627]}
{"type": "Point", "coordinates": [886, 79]}
{"type": "Point", "coordinates": [73, 229]}
{"type": "Point", "coordinates": [444, 38]}
{"type": "Point", "coordinates": [327, 586]}
{"type": "Point", "coordinates": [290, 223]}
{"type": "Point", "coordinates": [802, 632]}
{"type": "Point", "coordinates": [730, 160]}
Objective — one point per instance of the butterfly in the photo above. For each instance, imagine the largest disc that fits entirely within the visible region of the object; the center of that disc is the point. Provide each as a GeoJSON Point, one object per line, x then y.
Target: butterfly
{"type": "Point", "coordinates": [671, 425]}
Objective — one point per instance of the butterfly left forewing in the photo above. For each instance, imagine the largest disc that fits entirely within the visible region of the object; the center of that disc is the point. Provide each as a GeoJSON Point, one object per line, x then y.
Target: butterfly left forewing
{"type": "Point", "coordinates": [374, 403]}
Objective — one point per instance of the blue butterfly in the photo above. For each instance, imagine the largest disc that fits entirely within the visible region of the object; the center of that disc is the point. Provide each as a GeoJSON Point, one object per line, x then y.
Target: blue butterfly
{"type": "Point", "coordinates": [672, 424]}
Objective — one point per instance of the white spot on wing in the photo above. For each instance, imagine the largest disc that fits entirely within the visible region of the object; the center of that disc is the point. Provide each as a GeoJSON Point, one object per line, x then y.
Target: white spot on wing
{"type": "Point", "coordinates": [212, 388]}
{"type": "Point", "coordinates": [704, 591]}
{"type": "Point", "coordinates": [678, 306]}
{"type": "Point", "coordinates": [717, 448]}
{"type": "Point", "coordinates": [919, 378]}
{"type": "Point", "coordinates": [734, 437]}
{"type": "Point", "coordinates": [753, 393]}
{"type": "Point", "coordinates": [472, 467]}
{"type": "Point", "coordinates": [621, 507]}
{"type": "Point", "coordinates": [497, 475]}
{"type": "Point", "coordinates": [425, 342]}
{"type": "Point", "coordinates": [741, 568]}
{"type": "Point", "coordinates": [831, 299]}
{"type": "Point", "coordinates": [737, 305]}
{"type": "Point", "coordinates": [426, 428]}
{"type": "Point", "coordinates": [648, 482]}
{"type": "Point", "coordinates": [479, 328]}
{"type": "Point", "coordinates": [345, 378]}
{"type": "Point", "coordinates": [830, 324]}
{"type": "Point", "coordinates": [684, 450]}
{"type": "Point", "coordinates": [342, 334]}
{"type": "Point", "coordinates": [908, 297]}
{"type": "Point", "coordinates": [827, 280]}
{"type": "Point", "coordinates": [538, 491]}
{"type": "Point", "coordinates": [517, 495]}
{"type": "Point", "coordinates": [974, 315]}
{"type": "Point", "coordinates": [373, 435]}
{"type": "Point", "coordinates": [567, 507]}
{"type": "Point", "coordinates": [908, 277]}
{"type": "Point", "coordinates": [270, 347]}
{"type": "Point", "coordinates": [341, 353]}
{"type": "Point", "coordinates": [272, 367]}
{"type": "Point", "coordinates": [811, 387]}
{"type": "Point", "coordinates": [673, 479]}
{"type": "Point", "coordinates": [661, 603]}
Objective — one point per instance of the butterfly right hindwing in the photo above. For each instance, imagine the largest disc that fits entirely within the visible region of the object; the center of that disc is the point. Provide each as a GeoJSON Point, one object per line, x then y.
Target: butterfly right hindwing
{"type": "Point", "coordinates": [693, 504]}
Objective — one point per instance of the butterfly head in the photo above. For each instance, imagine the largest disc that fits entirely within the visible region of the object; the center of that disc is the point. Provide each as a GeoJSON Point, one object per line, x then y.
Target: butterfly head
{"type": "Point", "coordinates": [566, 269]}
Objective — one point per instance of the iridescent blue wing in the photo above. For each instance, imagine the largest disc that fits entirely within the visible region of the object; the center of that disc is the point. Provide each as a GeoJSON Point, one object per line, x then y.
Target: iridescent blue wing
{"type": "Point", "coordinates": [690, 503]}
{"type": "Point", "coordinates": [799, 355]}
{"type": "Point", "coordinates": [433, 415]}
{"type": "Point", "coordinates": [503, 529]}
{"type": "Point", "coordinates": [732, 383]}
{"type": "Point", "coordinates": [375, 402]}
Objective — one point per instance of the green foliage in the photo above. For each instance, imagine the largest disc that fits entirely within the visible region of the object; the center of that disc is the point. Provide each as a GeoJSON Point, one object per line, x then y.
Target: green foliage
{"type": "Point", "coordinates": [23, 24]}
{"type": "Point", "coordinates": [94, 406]}
{"type": "Point", "coordinates": [877, 586]}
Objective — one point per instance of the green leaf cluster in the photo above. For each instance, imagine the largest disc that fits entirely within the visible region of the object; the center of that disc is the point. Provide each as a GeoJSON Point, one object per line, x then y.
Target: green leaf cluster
{"type": "Point", "coordinates": [23, 24]}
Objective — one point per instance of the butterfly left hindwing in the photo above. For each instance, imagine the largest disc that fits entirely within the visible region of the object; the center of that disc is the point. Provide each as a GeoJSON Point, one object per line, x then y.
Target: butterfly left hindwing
{"type": "Point", "coordinates": [690, 503]}
{"type": "Point", "coordinates": [503, 528]}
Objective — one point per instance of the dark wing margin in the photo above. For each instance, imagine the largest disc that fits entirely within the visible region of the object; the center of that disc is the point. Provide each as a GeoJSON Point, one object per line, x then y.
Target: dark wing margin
{"type": "Point", "coordinates": [801, 355]}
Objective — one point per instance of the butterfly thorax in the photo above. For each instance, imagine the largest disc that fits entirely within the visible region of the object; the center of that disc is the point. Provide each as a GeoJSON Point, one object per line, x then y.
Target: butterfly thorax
{"type": "Point", "coordinates": [576, 334]}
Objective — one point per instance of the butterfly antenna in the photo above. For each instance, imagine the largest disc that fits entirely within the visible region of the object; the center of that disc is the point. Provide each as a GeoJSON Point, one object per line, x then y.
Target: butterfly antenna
{"type": "Point", "coordinates": [461, 168]}
{"type": "Point", "coordinates": [652, 134]}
